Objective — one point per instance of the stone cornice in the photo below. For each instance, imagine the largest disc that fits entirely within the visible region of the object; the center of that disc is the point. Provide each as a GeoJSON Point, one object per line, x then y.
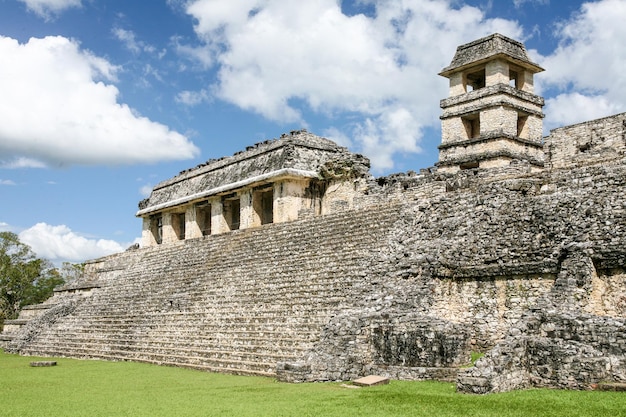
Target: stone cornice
{"type": "Point", "coordinates": [490, 91]}
{"type": "Point", "coordinates": [491, 137]}
{"type": "Point", "coordinates": [274, 175]}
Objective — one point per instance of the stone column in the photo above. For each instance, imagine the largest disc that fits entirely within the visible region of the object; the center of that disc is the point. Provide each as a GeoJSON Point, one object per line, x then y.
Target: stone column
{"type": "Point", "coordinates": [497, 72]}
{"type": "Point", "coordinates": [192, 228]}
{"type": "Point", "coordinates": [147, 237]}
{"type": "Point", "coordinates": [246, 217]}
{"type": "Point", "coordinates": [288, 199]}
{"type": "Point", "coordinates": [218, 222]}
{"type": "Point", "coordinates": [169, 235]}
{"type": "Point", "coordinates": [457, 84]}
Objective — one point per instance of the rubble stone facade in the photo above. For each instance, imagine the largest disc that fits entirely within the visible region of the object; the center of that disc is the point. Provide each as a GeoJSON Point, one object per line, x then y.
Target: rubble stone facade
{"type": "Point", "coordinates": [295, 262]}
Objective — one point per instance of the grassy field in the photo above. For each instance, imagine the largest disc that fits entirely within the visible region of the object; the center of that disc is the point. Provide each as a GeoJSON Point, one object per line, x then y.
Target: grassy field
{"type": "Point", "coordinates": [95, 388]}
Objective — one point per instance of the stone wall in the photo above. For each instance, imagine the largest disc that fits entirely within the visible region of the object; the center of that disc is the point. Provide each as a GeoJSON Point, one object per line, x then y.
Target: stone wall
{"type": "Point", "coordinates": [597, 141]}
{"type": "Point", "coordinates": [558, 343]}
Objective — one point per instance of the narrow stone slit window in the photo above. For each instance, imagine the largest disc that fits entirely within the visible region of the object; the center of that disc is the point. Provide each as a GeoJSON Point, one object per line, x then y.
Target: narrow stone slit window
{"type": "Point", "coordinates": [263, 204]}
{"type": "Point", "coordinates": [156, 226]}
{"type": "Point", "coordinates": [475, 80]}
{"type": "Point", "coordinates": [472, 126]}
{"type": "Point", "coordinates": [232, 209]}
{"type": "Point", "coordinates": [522, 126]}
{"type": "Point", "coordinates": [178, 224]}
{"type": "Point", "coordinates": [203, 217]}
{"type": "Point", "coordinates": [267, 206]}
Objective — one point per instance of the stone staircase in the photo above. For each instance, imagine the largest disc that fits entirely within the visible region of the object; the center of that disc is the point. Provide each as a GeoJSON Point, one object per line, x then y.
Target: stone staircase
{"type": "Point", "coordinates": [237, 303]}
{"type": "Point", "coordinates": [12, 327]}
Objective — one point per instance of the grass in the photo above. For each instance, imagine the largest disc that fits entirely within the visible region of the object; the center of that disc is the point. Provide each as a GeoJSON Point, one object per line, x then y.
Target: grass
{"type": "Point", "coordinates": [96, 388]}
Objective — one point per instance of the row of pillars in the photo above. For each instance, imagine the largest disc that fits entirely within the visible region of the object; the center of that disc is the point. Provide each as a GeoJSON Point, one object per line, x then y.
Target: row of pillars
{"type": "Point", "coordinates": [251, 207]}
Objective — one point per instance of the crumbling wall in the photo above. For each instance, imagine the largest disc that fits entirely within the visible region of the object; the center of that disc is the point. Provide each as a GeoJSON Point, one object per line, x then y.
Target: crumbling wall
{"type": "Point", "coordinates": [467, 264]}
{"type": "Point", "coordinates": [596, 141]}
{"type": "Point", "coordinates": [557, 343]}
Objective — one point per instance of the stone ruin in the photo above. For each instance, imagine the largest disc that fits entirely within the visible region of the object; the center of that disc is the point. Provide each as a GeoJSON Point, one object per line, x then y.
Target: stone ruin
{"type": "Point", "coordinates": [289, 259]}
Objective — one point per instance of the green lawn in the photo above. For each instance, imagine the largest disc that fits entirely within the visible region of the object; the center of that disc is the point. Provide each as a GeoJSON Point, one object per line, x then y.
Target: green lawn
{"type": "Point", "coordinates": [95, 388]}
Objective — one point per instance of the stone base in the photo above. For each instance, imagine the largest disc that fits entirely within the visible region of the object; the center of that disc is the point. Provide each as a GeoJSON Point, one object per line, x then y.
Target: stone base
{"type": "Point", "coordinates": [607, 386]}
{"type": "Point", "coordinates": [371, 380]}
{"type": "Point", "coordinates": [38, 364]}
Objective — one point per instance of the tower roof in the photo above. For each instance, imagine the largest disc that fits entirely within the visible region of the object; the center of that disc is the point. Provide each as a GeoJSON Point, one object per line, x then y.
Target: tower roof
{"type": "Point", "coordinates": [488, 48]}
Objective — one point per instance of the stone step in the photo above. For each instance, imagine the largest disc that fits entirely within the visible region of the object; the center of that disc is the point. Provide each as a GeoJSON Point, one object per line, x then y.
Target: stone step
{"type": "Point", "coordinates": [237, 366]}
{"type": "Point", "coordinates": [16, 322]}
{"type": "Point", "coordinates": [255, 297]}
{"type": "Point", "coordinates": [43, 306]}
{"type": "Point", "coordinates": [235, 353]}
{"type": "Point", "coordinates": [225, 316]}
{"type": "Point", "coordinates": [217, 341]}
{"type": "Point", "coordinates": [243, 292]}
{"type": "Point", "coordinates": [185, 324]}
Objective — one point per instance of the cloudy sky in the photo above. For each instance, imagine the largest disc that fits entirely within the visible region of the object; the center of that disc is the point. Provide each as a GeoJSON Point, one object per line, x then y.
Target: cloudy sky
{"type": "Point", "coordinates": [102, 99]}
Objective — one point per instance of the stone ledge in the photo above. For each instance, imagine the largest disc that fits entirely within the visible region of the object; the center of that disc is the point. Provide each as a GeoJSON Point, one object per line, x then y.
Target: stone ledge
{"type": "Point", "coordinates": [371, 380]}
{"type": "Point", "coordinates": [17, 322]}
{"type": "Point", "coordinates": [611, 386]}
{"type": "Point", "coordinates": [39, 364]}
{"type": "Point", "coordinates": [39, 306]}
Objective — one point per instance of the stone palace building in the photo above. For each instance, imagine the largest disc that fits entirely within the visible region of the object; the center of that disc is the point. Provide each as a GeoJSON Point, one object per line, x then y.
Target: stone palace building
{"type": "Point", "coordinates": [289, 259]}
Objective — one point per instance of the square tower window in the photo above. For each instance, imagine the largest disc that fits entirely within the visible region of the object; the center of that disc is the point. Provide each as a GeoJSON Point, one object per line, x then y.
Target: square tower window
{"type": "Point", "coordinates": [472, 126]}
{"type": "Point", "coordinates": [475, 80]}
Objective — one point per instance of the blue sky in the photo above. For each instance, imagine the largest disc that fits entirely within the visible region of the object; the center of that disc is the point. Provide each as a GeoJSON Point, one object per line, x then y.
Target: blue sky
{"type": "Point", "coordinates": [102, 99]}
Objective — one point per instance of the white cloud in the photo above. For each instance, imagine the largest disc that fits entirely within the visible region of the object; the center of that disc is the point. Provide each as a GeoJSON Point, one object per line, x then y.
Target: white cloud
{"type": "Point", "coordinates": [587, 68]}
{"type": "Point", "coordinates": [571, 108]}
{"type": "Point", "coordinates": [193, 98]}
{"type": "Point", "coordinates": [60, 244]}
{"type": "Point", "coordinates": [271, 54]}
{"type": "Point", "coordinates": [7, 182]}
{"type": "Point", "coordinates": [21, 162]}
{"type": "Point", "coordinates": [129, 39]}
{"type": "Point", "coordinates": [520, 3]}
{"type": "Point", "coordinates": [4, 227]}
{"type": "Point", "coordinates": [47, 8]}
{"type": "Point", "coordinates": [146, 190]}
{"type": "Point", "coordinates": [58, 107]}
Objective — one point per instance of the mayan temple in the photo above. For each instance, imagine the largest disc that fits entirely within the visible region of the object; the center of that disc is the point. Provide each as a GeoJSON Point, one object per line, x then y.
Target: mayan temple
{"type": "Point", "coordinates": [290, 260]}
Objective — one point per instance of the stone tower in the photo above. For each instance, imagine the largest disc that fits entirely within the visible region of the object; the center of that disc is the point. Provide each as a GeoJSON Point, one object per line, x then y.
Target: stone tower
{"type": "Point", "coordinates": [491, 116]}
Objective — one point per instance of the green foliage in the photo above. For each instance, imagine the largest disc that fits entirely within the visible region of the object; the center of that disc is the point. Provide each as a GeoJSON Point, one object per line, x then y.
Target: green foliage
{"type": "Point", "coordinates": [476, 356]}
{"type": "Point", "coordinates": [97, 388]}
{"type": "Point", "coordinates": [24, 278]}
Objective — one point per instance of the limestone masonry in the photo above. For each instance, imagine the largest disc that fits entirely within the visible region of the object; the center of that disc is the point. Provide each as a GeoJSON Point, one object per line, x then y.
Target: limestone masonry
{"type": "Point", "coordinates": [289, 259]}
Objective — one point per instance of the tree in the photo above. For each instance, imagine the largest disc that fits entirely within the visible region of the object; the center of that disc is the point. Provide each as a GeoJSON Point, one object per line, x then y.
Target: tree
{"type": "Point", "coordinates": [24, 278]}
